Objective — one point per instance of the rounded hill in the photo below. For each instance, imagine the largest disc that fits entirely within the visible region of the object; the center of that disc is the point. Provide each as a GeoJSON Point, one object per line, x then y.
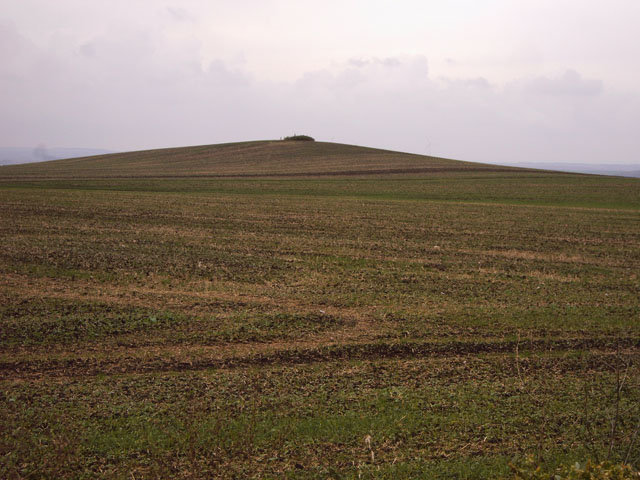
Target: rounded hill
{"type": "Point", "coordinates": [245, 159]}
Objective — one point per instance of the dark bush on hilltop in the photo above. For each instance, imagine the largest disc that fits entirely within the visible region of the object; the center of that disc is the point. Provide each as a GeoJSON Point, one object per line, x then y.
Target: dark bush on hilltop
{"type": "Point", "coordinates": [300, 138]}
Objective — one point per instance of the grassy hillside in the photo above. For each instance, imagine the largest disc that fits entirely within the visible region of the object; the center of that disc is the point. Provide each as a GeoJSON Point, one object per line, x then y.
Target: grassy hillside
{"type": "Point", "coordinates": [243, 159]}
{"type": "Point", "coordinates": [431, 324]}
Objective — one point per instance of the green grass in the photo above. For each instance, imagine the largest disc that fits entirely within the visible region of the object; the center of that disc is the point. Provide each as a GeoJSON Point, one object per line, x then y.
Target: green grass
{"type": "Point", "coordinates": [198, 327]}
{"type": "Point", "coordinates": [509, 189]}
{"type": "Point", "coordinates": [463, 417]}
{"type": "Point", "coordinates": [50, 320]}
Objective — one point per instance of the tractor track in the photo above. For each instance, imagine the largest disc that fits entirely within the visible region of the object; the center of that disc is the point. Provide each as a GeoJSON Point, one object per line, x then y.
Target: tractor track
{"type": "Point", "coordinates": [296, 356]}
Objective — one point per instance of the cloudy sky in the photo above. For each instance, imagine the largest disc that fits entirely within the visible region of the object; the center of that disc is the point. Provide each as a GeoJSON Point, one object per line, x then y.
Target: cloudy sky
{"type": "Point", "coordinates": [493, 80]}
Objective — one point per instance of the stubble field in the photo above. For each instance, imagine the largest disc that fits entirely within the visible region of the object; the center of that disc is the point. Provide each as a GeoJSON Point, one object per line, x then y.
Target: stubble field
{"type": "Point", "coordinates": [388, 326]}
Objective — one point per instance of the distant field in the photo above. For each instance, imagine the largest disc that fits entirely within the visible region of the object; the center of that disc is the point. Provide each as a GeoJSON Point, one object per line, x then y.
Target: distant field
{"type": "Point", "coordinates": [443, 319]}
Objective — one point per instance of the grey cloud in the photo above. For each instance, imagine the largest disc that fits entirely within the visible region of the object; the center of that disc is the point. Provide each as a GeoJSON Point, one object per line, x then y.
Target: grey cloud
{"type": "Point", "coordinates": [472, 119]}
{"type": "Point", "coordinates": [330, 82]}
{"type": "Point", "coordinates": [374, 73]}
{"type": "Point", "coordinates": [570, 83]}
{"type": "Point", "coordinates": [219, 73]}
{"type": "Point", "coordinates": [130, 90]}
{"type": "Point", "coordinates": [17, 53]}
{"type": "Point", "coordinates": [360, 62]}
{"type": "Point", "coordinates": [87, 49]}
{"type": "Point", "coordinates": [389, 62]}
{"type": "Point", "coordinates": [122, 49]}
{"type": "Point", "coordinates": [11, 42]}
{"type": "Point", "coordinates": [477, 82]}
{"type": "Point", "coordinates": [179, 14]}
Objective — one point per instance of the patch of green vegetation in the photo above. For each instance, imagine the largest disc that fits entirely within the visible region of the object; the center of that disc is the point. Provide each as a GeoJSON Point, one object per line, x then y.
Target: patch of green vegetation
{"type": "Point", "coordinates": [587, 470]}
{"type": "Point", "coordinates": [561, 190]}
{"type": "Point", "coordinates": [51, 321]}
{"type": "Point", "coordinates": [353, 417]}
{"type": "Point", "coordinates": [272, 326]}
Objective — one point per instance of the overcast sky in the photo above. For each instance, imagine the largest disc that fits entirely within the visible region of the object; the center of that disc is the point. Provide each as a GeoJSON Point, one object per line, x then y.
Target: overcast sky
{"type": "Point", "coordinates": [495, 80]}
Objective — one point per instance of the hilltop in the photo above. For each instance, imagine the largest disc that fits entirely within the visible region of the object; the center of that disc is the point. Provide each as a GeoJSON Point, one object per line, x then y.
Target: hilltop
{"type": "Point", "coordinates": [245, 159]}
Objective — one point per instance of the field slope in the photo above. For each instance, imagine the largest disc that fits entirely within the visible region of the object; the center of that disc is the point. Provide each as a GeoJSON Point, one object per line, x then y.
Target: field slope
{"type": "Point", "coordinates": [313, 310]}
{"type": "Point", "coordinates": [262, 158]}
